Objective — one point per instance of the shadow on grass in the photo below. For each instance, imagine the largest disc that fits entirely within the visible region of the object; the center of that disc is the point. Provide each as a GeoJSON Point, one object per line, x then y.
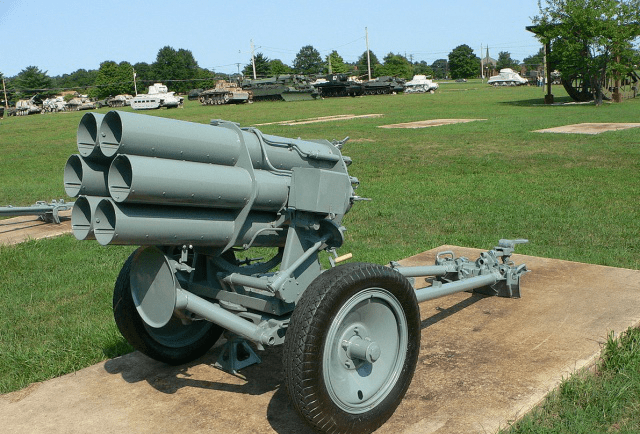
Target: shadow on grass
{"type": "Point", "coordinates": [539, 102]}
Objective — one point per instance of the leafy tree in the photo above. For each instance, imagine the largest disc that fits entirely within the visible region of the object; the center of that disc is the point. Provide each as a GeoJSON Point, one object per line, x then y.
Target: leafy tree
{"type": "Point", "coordinates": [635, 59]}
{"type": "Point", "coordinates": [423, 68]}
{"type": "Point", "coordinates": [505, 61]}
{"type": "Point", "coordinates": [308, 61]}
{"type": "Point", "coordinates": [144, 75]}
{"type": "Point", "coordinates": [113, 79]}
{"type": "Point", "coordinates": [463, 63]}
{"type": "Point", "coordinates": [591, 39]}
{"type": "Point", "coordinates": [440, 68]}
{"type": "Point", "coordinates": [336, 63]}
{"type": "Point", "coordinates": [395, 65]}
{"type": "Point", "coordinates": [262, 66]}
{"type": "Point", "coordinates": [277, 67]}
{"type": "Point", "coordinates": [80, 79]}
{"type": "Point", "coordinates": [206, 79]}
{"type": "Point", "coordinates": [31, 81]}
{"type": "Point", "coordinates": [361, 64]}
{"type": "Point", "coordinates": [535, 61]}
{"type": "Point", "coordinates": [177, 67]}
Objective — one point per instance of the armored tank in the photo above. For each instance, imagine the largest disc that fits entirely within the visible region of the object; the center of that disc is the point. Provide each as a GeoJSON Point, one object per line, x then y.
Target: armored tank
{"type": "Point", "coordinates": [53, 105]}
{"type": "Point", "coordinates": [383, 85]}
{"type": "Point", "coordinates": [25, 107]}
{"type": "Point", "coordinates": [120, 100]}
{"type": "Point", "coordinates": [338, 85]}
{"type": "Point", "coordinates": [287, 87]}
{"type": "Point", "coordinates": [420, 84]}
{"type": "Point", "coordinates": [80, 102]}
{"type": "Point", "coordinates": [225, 93]}
{"type": "Point", "coordinates": [157, 96]}
{"type": "Point", "coordinates": [507, 77]}
{"type": "Point", "coordinates": [194, 94]}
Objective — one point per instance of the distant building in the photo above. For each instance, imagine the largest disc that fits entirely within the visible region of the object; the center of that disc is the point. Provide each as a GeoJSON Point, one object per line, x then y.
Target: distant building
{"type": "Point", "coordinates": [488, 65]}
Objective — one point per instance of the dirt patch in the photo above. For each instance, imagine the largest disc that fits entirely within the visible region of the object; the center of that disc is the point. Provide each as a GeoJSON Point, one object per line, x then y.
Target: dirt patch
{"type": "Point", "coordinates": [322, 119]}
{"type": "Point", "coordinates": [362, 140]}
{"type": "Point", "coordinates": [589, 128]}
{"type": "Point", "coordinates": [20, 229]}
{"type": "Point", "coordinates": [430, 123]}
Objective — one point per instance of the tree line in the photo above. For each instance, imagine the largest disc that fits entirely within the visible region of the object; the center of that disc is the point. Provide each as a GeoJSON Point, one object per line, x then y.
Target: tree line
{"type": "Point", "coordinates": [590, 39]}
{"type": "Point", "coordinates": [181, 72]}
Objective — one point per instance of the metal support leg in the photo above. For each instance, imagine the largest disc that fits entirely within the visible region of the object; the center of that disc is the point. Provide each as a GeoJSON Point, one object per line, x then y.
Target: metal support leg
{"type": "Point", "coordinates": [236, 354]}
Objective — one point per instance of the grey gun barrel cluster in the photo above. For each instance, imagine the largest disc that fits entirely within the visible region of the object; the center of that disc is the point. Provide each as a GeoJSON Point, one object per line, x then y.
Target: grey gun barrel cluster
{"type": "Point", "coordinates": [146, 180]}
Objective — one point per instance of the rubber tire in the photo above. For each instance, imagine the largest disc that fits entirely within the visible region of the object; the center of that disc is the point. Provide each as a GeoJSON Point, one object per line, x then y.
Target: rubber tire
{"type": "Point", "coordinates": [140, 335]}
{"type": "Point", "coordinates": [305, 340]}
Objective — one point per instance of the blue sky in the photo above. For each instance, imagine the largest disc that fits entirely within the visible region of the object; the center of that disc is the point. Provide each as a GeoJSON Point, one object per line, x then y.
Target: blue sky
{"type": "Point", "coordinates": [61, 37]}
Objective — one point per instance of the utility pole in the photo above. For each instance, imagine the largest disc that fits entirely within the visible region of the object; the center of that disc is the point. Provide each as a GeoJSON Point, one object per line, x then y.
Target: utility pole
{"type": "Point", "coordinates": [366, 32]}
{"type": "Point", "coordinates": [4, 89]}
{"type": "Point", "coordinates": [481, 64]}
{"type": "Point", "coordinates": [135, 85]}
{"type": "Point", "coordinates": [253, 61]}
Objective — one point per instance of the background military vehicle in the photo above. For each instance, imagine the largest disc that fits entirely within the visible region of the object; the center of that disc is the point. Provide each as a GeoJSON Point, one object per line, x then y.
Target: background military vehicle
{"type": "Point", "coordinates": [158, 96]}
{"type": "Point", "coordinates": [287, 87]}
{"type": "Point", "coordinates": [338, 85]}
{"type": "Point", "coordinates": [420, 84]}
{"type": "Point", "coordinates": [80, 102]}
{"type": "Point", "coordinates": [507, 77]}
{"type": "Point", "coordinates": [225, 93]}
{"type": "Point", "coordinates": [53, 105]}
{"type": "Point", "coordinates": [26, 107]}
{"type": "Point", "coordinates": [383, 85]}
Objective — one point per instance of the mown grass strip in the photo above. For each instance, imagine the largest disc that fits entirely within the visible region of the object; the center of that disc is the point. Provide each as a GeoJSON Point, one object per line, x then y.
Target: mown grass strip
{"type": "Point", "coordinates": [605, 400]}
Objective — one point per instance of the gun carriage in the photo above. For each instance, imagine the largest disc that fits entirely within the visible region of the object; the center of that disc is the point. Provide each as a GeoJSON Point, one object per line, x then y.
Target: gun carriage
{"type": "Point", "coordinates": [198, 198]}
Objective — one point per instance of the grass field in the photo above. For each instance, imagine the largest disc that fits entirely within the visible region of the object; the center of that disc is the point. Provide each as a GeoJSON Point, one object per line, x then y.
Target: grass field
{"type": "Point", "coordinates": [575, 197]}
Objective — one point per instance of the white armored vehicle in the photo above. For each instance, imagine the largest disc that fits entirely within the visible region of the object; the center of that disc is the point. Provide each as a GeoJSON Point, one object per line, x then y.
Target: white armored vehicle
{"type": "Point", "coordinates": [26, 107]}
{"type": "Point", "coordinates": [507, 77]}
{"type": "Point", "coordinates": [157, 97]}
{"type": "Point", "coordinates": [420, 84]}
{"type": "Point", "coordinates": [53, 105]}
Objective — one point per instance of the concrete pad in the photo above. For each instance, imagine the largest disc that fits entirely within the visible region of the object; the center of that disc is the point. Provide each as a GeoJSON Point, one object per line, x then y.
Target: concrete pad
{"type": "Point", "coordinates": [430, 123]}
{"type": "Point", "coordinates": [20, 229]}
{"type": "Point", "coordinates": [589, 128]}
{"type": "Point", "coordinates": [484, 362]}
{"type": "Point", "coordinates": [322, 119]}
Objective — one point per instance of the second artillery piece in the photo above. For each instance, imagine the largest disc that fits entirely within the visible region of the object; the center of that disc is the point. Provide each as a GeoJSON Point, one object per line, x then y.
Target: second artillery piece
{"type": "Point", "coordinates": [198, 199]}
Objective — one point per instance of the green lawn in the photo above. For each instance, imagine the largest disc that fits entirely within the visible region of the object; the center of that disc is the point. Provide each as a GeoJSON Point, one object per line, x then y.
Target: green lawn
{"type": "Point", "coordinates": [574, 196]}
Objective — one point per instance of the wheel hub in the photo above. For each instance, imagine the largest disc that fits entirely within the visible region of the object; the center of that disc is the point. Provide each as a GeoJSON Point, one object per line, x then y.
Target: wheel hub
{"type": "Point", "coordinates": [357, 347]}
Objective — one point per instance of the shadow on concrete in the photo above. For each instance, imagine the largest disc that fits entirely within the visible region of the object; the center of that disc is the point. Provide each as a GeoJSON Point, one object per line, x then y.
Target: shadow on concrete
{"type": "Point", "coordinates": [266, 377]}
{"type": "Point", "coordinates": [257, 379]}
{"type": "Point", "coordinates": [445, 313]}
{"type": "Point", "coordinates": [282, 417]}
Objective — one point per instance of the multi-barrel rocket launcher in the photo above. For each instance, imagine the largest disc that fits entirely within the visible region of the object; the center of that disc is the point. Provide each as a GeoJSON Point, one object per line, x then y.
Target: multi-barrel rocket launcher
{"type": "Point", "coordinates": [195, 197]}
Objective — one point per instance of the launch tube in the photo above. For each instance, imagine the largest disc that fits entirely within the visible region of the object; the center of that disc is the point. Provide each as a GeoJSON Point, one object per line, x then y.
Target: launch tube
{"type": "Point", "coordinates": [86, 177]}
{"type": "Point", "coordinates": [133, 224]}
{"type": "Point", "coordinates": [81, 220]}
{"type": "Point", "coordinates": [152, 136]}
{"type": "Point", "coordinates": [136, 179]}
{"type": "Point", "coordinates": [87, 136]}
